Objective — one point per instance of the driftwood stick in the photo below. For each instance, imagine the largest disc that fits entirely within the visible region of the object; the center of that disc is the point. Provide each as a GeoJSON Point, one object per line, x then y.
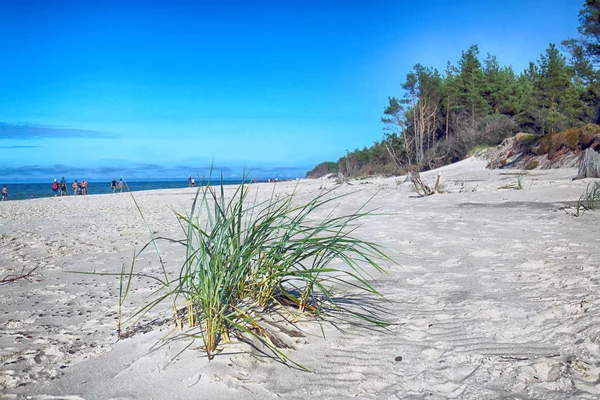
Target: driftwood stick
{"type": "Point", "coordinates": [15, 277]}
{"type": "Point", "coordinates": [422, 188]}
{"type": "Point", "coordinates": [515, 358]}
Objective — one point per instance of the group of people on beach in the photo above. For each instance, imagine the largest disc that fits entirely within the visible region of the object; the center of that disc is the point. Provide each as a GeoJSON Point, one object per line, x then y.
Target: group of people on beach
{"type": "Point", "coordinates": [60, 188]}
{"type": "Point", "coordinates": [79, 188]}
{"type": "Point", "coordinates": [114, 185]}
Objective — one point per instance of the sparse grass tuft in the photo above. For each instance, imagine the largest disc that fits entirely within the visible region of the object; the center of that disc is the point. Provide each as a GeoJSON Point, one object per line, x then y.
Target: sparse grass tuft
{"type": "Point", "coordinates": [518, 185]}
{"type": "Point", "coordinates": [589, 199]}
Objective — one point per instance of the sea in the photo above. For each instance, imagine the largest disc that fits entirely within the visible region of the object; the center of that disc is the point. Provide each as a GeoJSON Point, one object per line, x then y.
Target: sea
{"type": "Point", "coordinates": [22, 191]}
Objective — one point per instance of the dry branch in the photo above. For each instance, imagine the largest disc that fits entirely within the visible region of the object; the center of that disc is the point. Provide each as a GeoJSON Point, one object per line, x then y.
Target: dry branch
{"type": "Point", "coordinates": [421, 187]}
{"type": "Point", "coordinates": [15, 277]}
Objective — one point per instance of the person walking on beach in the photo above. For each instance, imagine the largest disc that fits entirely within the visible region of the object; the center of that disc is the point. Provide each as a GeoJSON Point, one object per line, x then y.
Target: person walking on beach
{"type": "Point", "coordinates": [193, 182]}
{"type": "Point", "coordinates": [63, 187]}
{"type": "Point", "coordinates": [113, 185]}
{"type": "Point", "coordinates": [4, 193]}
{"type": "Point", "coordinates": [55, 187]}
{"type": "Point", "coordinates": [190, 181]}
{"type": "Point", "coordinates": [120, 185]}
{"type": "Point", "coordinates": [84, 187]}
{"type": "Point", "coordinates": [75, 187]}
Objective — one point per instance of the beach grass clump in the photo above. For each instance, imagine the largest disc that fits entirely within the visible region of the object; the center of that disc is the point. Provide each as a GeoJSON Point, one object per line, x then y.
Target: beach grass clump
{"type": "Point", "coordinates": [245, 258]}
{"type": "Point", "coordinates": [516, 186]}
{"type": "Point", "coordinates": [589, 199]}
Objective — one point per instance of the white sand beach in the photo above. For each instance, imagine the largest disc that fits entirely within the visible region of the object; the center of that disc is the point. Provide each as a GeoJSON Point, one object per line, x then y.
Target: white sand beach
{"type": "Point", "coordinates": [495, 295]}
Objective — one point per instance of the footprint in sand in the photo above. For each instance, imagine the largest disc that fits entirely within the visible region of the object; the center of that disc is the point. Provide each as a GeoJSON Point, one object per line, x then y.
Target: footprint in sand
{"type": "Point", "coordinates": [459, 373]}
{"type": "Point", "coordinates": [542, 372]}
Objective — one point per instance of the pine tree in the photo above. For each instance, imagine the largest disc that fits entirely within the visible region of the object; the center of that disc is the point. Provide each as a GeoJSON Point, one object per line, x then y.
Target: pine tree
{"type": "Point", "coordinates": [450, 95]}
{"type": "Point", "coordinates": [499, 89]}
{"type": "Point", "coordinates": [471, 84]}
{"type": "Point", "coordinates": [554, 80]}
{"type": "Point", "coordinates": [526, 105]}
{"type": "Point", "coordinates": [589, 31]}
{"type": "Point", "coordinates": [586, 79]}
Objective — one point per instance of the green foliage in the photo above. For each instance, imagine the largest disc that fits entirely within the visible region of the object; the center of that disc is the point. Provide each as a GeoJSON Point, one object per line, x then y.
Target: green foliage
{"type": "Point", "coordinates": [245, 258]}
{"type": "Point", "coordinates": [552, 84]}
{"type": "Point", "coordinates": [588, 42]}
{"type": "Point", "coordinates": [472, 84]}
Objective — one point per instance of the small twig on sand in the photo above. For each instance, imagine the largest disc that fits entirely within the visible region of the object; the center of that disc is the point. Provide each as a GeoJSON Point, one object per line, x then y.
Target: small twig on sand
{"type": "Point", "coordinates": [514, 173]}
{"type": "Point", "coordinates": [15, 277]}
{"type": "Point", "coordinates": [527, 358]}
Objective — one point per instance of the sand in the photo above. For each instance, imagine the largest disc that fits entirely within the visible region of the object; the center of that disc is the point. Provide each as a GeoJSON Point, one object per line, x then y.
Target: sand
{"type": "Point", "coordinates": [494, 295]}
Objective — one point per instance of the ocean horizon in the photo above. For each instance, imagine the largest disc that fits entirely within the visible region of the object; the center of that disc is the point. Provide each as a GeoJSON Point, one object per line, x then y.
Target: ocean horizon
{"type": "Point", "coordinates": [32, 190]}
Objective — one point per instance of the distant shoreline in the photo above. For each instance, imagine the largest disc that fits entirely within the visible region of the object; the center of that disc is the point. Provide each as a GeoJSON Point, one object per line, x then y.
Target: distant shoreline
{"type": "Point", "coordinates": [28, 191]}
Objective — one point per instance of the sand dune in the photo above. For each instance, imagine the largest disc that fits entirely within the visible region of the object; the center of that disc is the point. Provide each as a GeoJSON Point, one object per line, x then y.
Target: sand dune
{"type": "Point", "coordinates": [495, 295]}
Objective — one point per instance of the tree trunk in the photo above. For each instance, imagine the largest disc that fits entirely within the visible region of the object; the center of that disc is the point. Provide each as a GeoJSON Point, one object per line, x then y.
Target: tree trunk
{"type": "Point", "coordinates": [589, 166]}
{"type": "Point", "coordinates": [393, 156]}
{"type": "Point", "coordinates": [447, 117]}
{"type": "Point", "coordinates": [433, 131]}
{"type": "Point", "coordinates": [414, 103]}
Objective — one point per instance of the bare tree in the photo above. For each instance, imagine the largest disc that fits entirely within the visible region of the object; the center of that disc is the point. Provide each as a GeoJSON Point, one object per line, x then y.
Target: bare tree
{"type": "Point", "coordinates": [426, 111]}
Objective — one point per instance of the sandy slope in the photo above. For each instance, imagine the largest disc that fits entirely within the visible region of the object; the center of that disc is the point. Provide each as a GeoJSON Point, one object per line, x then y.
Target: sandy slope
{"type": "Point", "coordinates": [495, 296]}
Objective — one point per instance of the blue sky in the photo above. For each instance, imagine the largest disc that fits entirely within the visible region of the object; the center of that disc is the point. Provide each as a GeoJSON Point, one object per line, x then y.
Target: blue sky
{"type": "Point", "coordinates": [148, 89]}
